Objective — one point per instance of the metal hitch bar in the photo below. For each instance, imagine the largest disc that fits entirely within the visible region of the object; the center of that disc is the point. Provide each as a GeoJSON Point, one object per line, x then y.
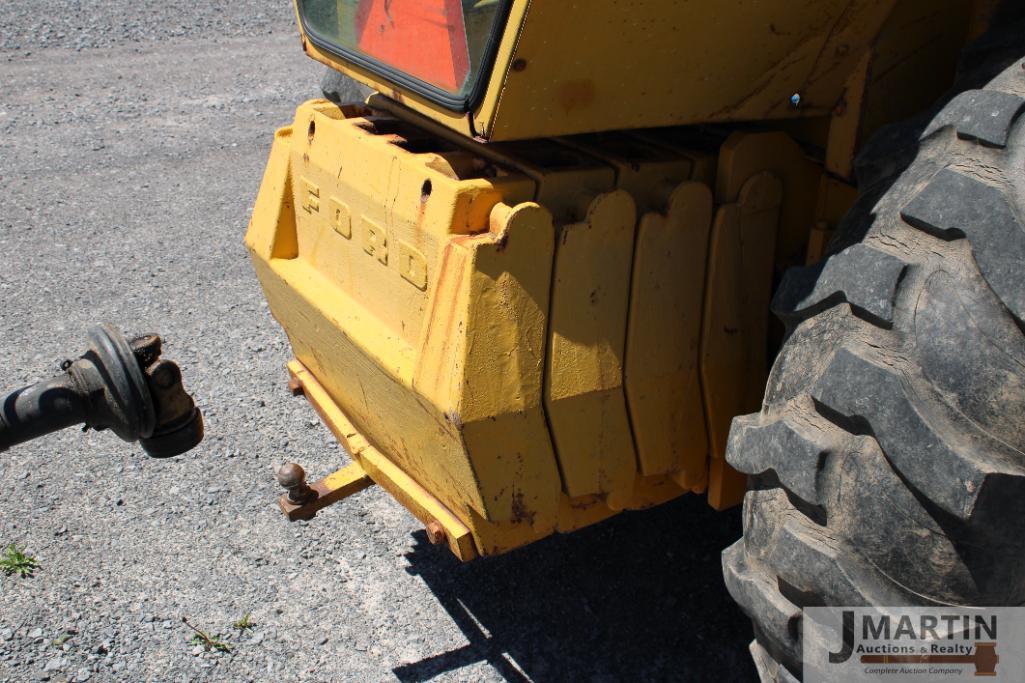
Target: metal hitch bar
{"type": "Point", "coordinates": [302, 500]}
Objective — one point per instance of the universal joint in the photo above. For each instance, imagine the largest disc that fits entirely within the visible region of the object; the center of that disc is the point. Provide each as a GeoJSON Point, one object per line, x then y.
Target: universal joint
{"type": "Point", "coordinates": [122, 386]}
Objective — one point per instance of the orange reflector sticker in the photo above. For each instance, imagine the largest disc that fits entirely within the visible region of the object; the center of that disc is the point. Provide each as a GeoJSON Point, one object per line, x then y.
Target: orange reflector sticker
{"type": "Point", "coordinates": [424, 38]}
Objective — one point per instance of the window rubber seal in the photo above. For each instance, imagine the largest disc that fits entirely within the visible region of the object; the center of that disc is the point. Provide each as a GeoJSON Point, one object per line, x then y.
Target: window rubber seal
{"type": "Point", "coordinates": [457, 103]}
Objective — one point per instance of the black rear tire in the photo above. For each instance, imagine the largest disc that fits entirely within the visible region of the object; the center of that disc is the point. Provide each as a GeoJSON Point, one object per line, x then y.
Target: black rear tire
{"type": "Point", "coordinates": [887, 464]}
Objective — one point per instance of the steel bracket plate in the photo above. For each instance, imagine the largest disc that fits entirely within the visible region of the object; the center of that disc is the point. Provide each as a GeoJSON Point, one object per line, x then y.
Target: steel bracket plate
{"type": "Point", "coordinates": [370, 466]}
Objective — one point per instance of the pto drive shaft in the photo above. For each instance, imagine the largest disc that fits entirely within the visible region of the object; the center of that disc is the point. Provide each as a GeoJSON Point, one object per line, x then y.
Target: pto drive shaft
{"type": "Point", "coordinates": [118, 385]}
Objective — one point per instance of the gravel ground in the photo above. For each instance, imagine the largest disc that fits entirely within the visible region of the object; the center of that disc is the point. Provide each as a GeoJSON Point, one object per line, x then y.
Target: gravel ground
{"type": "Point", "coordinates": [132, 141]}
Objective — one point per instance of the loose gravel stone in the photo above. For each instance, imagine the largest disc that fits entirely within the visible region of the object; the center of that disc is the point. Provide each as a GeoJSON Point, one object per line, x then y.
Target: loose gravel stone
{"type": "Point", "coordinates": [55, 664]}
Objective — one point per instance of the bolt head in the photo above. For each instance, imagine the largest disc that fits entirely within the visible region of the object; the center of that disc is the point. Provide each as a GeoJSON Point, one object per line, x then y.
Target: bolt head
{"type": "Point", "coordinates": [435, 532]}
{"type": "Point", "coordinates": [291, 475]}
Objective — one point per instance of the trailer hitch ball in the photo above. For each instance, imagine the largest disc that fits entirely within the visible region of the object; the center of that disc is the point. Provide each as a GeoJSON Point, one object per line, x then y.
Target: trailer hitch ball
{"type": "Point", "coordinates": [292, 478]}
{"type": "Point", "coordinates": [122, 386]}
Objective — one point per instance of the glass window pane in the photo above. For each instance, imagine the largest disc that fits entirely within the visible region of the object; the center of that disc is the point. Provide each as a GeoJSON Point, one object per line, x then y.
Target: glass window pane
{"type": "Point", "coordinates": [440, 42]}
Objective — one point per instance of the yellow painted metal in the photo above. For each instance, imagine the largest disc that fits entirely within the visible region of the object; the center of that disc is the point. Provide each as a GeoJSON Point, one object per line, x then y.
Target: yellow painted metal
{"type": "Point", "coordinates": [623, 53]}
{"type": "Point", "coordinates": [818, 240]}
{"type": "Point", "coordinates": [368, 462]}
{"type": "Point", "coordinates": [643, 63]}
{"type": "Point", "coordinates": [984, 12]}
{"type": "Point", "coordinates": [348, 479]}
{"type": "Point", "coordinates": [413, 279]}
{"type": "Point", "coordinates": [746, 154]}
{"type": "Point", "coordinates": [845, 123]}
{"type": "Point", "coordinates": [530, 335]}
{"type": "Point", "coordinates": [445, 379]}
{"type": "Point", "coordinates": [660, 375]}
{"type": "Point", "coordinates": [734, 362]}
{"type": "Point", "coordinates": [835, 199]}
{"type": "Point", "coordinates": [914, 59]}
{"type": "Point", "coordinates": [909, 63]}
{"type": "Point", "coordinates": [664, 330]}
{"type": "Point", "coordinates": [509, 334]}
{"type": "Point", "coordinates": [584, 375]}
{"type": "Point", "coordinates": [766, 189]}
{"type": "Point", "coordinates": [647, 170]}
{"type": "Point", "coordinates": [565, 177]}
{"type": "Point", "coordinates": [567, 173]}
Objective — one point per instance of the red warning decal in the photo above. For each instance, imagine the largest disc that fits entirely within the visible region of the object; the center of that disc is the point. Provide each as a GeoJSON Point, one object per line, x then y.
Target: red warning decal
{"type": "Point", "coordinates": [424, 38]}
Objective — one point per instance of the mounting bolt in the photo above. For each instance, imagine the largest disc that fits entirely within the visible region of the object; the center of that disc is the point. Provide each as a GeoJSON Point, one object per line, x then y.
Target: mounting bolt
{"type": "Point", "coordinates": [435, 532]}
{"type": "Point", "coordinates": [295, 386]}
{"type": "Point", "coordinates": [293, 478]}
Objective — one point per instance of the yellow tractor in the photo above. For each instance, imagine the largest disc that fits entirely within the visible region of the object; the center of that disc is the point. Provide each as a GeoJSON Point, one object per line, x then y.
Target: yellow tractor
{"type": "Point", "coordinates": [576, 258]}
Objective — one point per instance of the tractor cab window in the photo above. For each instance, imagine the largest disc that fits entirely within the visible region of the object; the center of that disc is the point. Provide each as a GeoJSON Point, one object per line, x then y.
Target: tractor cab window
{"type": "Point", "coordinates": [442, 44]}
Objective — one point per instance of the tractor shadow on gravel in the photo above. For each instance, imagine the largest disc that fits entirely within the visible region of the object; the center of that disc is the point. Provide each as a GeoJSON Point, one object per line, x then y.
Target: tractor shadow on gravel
{"type": "Point", "coordinates": [637, 597]}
